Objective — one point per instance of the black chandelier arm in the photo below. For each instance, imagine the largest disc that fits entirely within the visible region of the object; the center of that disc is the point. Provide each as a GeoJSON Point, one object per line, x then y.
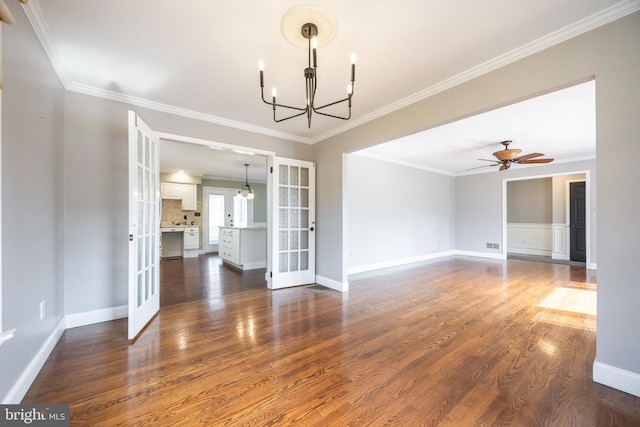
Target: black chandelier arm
{"type": "Point", "coordinates": [287, 118]}
{"type": "Point", "coordinates": [348, 98]}
{"type": "Point", "coordinates": [280, 105]}
{"type": "Point", "coordinates": [334, 116]}
{"type": "Point", "coordinates": [310, 32]}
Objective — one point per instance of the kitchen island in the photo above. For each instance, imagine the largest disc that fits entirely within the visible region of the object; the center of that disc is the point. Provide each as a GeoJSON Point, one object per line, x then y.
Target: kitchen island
{"type": "Point", "coordinates": [244, 248]}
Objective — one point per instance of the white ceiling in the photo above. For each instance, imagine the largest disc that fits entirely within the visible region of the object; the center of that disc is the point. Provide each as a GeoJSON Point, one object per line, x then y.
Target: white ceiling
{"type": "Point", "coordinates": [560, 125]}
{"type": "Point", "coordinates": [199, 58]}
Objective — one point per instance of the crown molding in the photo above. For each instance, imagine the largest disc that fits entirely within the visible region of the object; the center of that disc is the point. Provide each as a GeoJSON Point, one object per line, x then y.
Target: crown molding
{"type": "Point", "coordinates": [41, 28]}
{"type": "Point", "coordinates": [617, 11]}
{"type": "Point", "coordinates": [599, 19]}
{"type": "Point", "coordinates": [183, 112]}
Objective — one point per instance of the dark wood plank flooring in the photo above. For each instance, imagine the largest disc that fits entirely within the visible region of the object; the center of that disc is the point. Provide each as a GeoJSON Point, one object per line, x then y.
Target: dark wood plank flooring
{"type": "Point", "coordinates": [449, 342]}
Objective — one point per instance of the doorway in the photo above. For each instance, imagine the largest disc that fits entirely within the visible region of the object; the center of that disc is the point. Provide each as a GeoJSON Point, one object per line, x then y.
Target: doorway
{"type": "Point", "coordinates": [221, 208]}
{"type": "Point", "coordinates": [561, 231]}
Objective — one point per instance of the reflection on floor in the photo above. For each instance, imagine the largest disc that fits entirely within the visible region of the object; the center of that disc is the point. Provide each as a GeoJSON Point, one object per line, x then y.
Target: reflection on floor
{"type": "Point", "coordinates": [547, 259]}
{"type": "Point", "coordinates": [204, 277]}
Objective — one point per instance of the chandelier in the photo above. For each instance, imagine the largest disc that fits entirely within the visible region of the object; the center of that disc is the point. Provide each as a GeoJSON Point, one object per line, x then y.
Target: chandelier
{"type": "Point", "coordinates": [245, 191]}
{"type": "Point", "coordinates": [310, 32]}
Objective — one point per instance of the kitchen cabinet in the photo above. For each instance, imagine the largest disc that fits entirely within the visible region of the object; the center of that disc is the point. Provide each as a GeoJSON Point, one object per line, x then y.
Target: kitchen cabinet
{"type": "Point", "coordinates": [179, 241]}
{"type": "Point", "coordinates": [188, 193]}
{"type": "Point", "coordinates": [243, 248]}
{"type": "Point", "coordinates": [189, 197]}
{"type": "Point", "coordinates": [191, 238]}
{"type": "Point", "coordinates": [171, 190]}
{"type": "Point", "coordinates": [229, 249]}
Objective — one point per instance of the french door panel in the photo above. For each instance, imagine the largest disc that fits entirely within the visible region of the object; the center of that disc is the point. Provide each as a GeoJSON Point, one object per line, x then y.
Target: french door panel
{"type": "Point", "coordinates": [144, 225]}
{"type": "Point", "coordinates": [292, 235]}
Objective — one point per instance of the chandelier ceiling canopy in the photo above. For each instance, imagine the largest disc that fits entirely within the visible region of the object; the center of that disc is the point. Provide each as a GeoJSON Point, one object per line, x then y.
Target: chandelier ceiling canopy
{"type": "Point", "coordinates": [311, 27]}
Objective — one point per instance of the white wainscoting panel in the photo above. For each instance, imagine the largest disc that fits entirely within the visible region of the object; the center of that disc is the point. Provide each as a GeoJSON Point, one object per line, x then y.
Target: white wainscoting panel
{"type": "Point", "coordinates": [560, 241]}
{"type": "Point", "coordinates": [529, 238]}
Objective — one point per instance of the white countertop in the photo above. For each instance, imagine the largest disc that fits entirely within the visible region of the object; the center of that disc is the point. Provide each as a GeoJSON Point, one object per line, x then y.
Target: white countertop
{"type": "Point", "coordinates": [179, 228]}
{"type": "Point", "coordinates": [256, 227]}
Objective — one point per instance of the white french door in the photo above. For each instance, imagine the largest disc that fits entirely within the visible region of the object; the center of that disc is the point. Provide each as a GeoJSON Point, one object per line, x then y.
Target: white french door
{"type": "Point", "coordinates": [144, 225]}
{"type": "Point", "coordinates": [292, 258]}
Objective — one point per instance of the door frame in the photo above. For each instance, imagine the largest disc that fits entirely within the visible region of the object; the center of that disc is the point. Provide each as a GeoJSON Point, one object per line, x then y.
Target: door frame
{"type": "Point", "coordinates": [229, 194]}
{"type": "Point", "coordinates": [270, 155]}
{"type": "Point", "coordinates": [587, 180]}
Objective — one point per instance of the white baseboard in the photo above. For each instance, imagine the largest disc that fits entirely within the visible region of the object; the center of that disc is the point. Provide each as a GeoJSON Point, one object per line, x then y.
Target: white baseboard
{"type": "Point", "coordinates": [481, 254]}
{"type": "Point", "coordinates": [617, 378]}
{"type": "Point", "coordinates": [397, 262]}
{"type": "Point", "coordinates": [96, 316]}
{"type": "Point", "coordinates": [20, 388]}
{"type": "Point", "coordinates": [254, 265]}
{"type": "Point", "coordinates": [529, 251]}
{"type": "Point", "coordinates": [333, 284]}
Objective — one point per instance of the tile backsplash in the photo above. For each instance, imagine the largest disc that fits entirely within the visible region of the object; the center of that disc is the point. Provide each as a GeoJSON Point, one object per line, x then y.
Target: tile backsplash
{"type": "Point", "coordinates": [172, 213]}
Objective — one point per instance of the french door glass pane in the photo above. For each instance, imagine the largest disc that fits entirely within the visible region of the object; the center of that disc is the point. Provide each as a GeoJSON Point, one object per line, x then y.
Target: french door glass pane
{"type": "Point", "coordinates": [293, 218]}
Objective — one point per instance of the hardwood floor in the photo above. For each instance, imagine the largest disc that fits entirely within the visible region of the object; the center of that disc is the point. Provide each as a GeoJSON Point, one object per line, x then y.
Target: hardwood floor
{"type": "Point", "coordinates": [449, 342]}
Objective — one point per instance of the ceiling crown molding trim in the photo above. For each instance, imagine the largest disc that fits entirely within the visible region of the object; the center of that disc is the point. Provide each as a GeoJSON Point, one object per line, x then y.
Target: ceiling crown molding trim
{"type": "Point", "coordinates": [592, 22]}
{"type": "Point", "coordinates": [41, 28]}
{"type": "Point", "coordinates": [617, 11]}
{"type": "Point", "coordinates": [183, 112]}
{"type": "Point", "coordinates": [384, 158]}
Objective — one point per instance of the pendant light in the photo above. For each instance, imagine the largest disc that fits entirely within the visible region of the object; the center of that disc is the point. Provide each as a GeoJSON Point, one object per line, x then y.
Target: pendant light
{"type": "Point", "coordinates": [245, 191]}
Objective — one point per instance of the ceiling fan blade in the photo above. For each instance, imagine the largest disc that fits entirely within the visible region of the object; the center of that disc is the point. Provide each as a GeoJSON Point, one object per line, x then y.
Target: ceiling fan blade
{"type": "Point", "coordinates": [492, 161]}
{"type": "Point", "coordinates": [524, 162]}
{"type": "Point", "coordinates": [504, 166]}
{"type": "Point", "coordinates": [527, 157]}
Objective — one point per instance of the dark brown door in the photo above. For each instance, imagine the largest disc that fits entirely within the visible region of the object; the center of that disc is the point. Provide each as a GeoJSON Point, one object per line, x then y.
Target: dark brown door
{"type": "Point", "coordinates": [577, 213]}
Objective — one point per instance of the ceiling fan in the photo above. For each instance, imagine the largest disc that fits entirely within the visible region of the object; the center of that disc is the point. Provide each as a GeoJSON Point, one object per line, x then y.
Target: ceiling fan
{"type": "Point", "coordinates": [510, 155]}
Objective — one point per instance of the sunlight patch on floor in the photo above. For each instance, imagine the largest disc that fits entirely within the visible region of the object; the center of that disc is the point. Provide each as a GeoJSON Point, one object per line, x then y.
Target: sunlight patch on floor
{"type": "Point", "coordinates": [571, 307]}
{"type": "Point", "coordinates": [568, 299]}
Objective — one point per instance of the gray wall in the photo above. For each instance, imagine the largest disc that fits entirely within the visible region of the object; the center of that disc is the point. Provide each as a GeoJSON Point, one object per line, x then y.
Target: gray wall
{"type": "Point", "coordinates": [96, 168]}
{"type": "Point", "coordinates": [530, 201]}
{"type": "Point", "coordinates": [609, 54]}
{"type": "Point", "coordinates": [32, 197]}
{"type": "Point", "coordinates": [94, 200]}
{"type": "Point", "coordinates": [396, 212]}
{"type": "Point", "coordinates": [479, 204]}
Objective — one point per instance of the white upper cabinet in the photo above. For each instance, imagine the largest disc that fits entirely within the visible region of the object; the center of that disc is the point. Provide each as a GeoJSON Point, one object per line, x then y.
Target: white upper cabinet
{"type": "Point", "coordinates": [171, 190]}
{"type": "Point", "coordinates": [189, 197]}
{"type": "Point", "coordinates": [188, 193]}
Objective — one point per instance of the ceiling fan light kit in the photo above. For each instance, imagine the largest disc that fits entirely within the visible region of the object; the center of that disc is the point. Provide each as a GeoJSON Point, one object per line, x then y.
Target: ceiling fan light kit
{"type": "Point", "coordinates": [301, 26]}
{"type": "Point", "coordinates": [507, 156]}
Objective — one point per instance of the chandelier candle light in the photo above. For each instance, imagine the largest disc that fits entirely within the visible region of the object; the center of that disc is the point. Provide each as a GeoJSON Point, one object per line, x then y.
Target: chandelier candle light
{"type": "Point", "coordinates": [310, 32]}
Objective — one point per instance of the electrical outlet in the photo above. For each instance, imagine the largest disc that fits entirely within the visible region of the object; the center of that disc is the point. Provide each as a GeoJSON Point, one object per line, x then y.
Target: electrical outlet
{"type": "Point", "coordinates": [42, 311]}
